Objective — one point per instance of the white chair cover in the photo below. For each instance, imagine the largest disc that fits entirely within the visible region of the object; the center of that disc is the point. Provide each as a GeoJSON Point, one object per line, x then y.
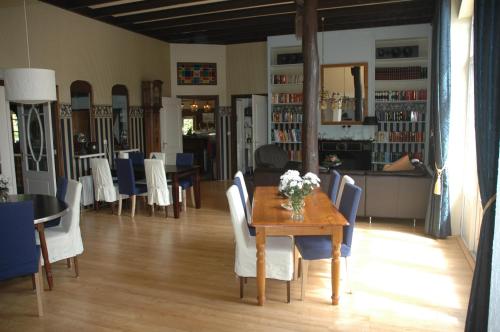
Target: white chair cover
{"type": "Point", "coordinates": [87, 190]}
{"type": "Point", "coordinates": [245, 195]}
{"type": "Point", "coordinates": [156, 181]}
{"type": "Point", "coordinates": [279, 250]}
{"type": "Point", "coordinates": [123, 155]}
{"type": "Point", "coordinates": [157, 155]}
{"type": "Point", "coordinates": [65, 240]}
{"type": "Point", "coordinates": [345, 179]}
{"type": "Point", "coordinates": [104, 188]}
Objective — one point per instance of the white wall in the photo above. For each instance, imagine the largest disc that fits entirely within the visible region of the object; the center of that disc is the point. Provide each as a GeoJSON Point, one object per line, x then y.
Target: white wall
{"type": "Point", "coordinates": [350, 46]}
{"type": "Point", "coordinates": [199, 53]}
{"type": "Point", "coordinates": [80, 48]}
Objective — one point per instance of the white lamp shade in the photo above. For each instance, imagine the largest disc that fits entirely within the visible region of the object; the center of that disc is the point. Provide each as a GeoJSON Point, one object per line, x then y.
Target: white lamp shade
{"type": "Point", "coordinates": [30, 85]}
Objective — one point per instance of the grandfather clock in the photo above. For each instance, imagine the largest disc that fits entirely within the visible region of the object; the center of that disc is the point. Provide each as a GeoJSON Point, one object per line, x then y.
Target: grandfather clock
{"type": "Point", "coordinates": [151, 102]}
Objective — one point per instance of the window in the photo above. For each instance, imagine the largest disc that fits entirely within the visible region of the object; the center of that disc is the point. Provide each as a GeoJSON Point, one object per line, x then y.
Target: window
{"type": "Point", "coordinates": [15, 127]}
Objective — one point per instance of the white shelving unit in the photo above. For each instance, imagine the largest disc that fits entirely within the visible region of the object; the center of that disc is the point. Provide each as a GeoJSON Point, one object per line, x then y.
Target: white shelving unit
{"type": "Point", "coordinates": [285, 102]}
{"type": "Point", "coordinates": [402, 87]}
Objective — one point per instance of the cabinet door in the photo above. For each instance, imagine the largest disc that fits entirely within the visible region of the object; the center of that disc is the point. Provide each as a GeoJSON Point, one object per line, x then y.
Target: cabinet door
{"type": "Point", "coordinates": [413, 197]}
{"type": "Point", "coordinates": [171, 128]}
{"type": "Point", "coordinates": [382, 196]}
{"type": "Point", "coordinates": [259, 118]}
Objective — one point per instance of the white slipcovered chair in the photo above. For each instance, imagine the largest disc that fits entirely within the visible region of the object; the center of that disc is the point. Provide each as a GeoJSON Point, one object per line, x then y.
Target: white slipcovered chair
{"type": "Point", "coordinates": [104, 188]}
{"type": "Point", "coordinates": [279, 250]}
{"type": "Point", "coordinates": [248, 206]}
{"type": "Point", "coordinates": [65, 240]}
{"type": "Point", "coordinates": [158, 155]}
{"type": "Point", "coordinates": [123, 155]}
{"type": "Point", "coordinates": [159, 192]}
{"type": "Point", "coordinates": [345, 179]}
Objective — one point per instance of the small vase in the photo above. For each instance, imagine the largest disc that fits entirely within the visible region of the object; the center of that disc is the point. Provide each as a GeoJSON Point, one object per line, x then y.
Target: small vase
{"type": "Point", "coordinates": [297, 209]}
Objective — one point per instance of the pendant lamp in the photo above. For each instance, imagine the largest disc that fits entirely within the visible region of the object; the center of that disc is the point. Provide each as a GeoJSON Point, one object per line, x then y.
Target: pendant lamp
{"type": "Point", "coordinates": [29, 85]}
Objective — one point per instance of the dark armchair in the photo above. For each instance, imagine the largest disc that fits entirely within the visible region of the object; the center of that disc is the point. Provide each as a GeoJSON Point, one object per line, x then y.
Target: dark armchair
{"type": "Point", "coordinates": [270, 162]}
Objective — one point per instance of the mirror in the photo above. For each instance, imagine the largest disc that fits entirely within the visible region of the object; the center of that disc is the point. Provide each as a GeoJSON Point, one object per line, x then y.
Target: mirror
{"type": "Point", "coordinates": [344, 91]}
{"type": "Point", "coordinates": [119, 96]}
{"type": "Point", "coordinates": [81, 104]}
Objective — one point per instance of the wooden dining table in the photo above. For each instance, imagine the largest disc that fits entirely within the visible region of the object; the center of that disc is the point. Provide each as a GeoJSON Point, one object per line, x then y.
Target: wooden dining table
{"type": "Point", "coordinates": [175, 173]}
{"type": "Point", "coordinates": [320, 218]}
{"type": "Point", "coordinates": [45, 208]}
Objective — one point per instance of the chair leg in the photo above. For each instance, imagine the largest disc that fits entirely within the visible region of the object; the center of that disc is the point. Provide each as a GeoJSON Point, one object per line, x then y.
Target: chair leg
{"type": "Point", "coordinates": [133, 198]}
{"type": "Point", "coordinates": [120, 204]}
{"type": "Point", "coordinates": [246, 279]}
{"type": "Point", "coordinates": [288, 291]}
{"type": "Point", "coordinates": [68, 263]}
{"type": "Point", "coordinates": [304, 267]}
{"type": "Point", "coordinates": [347, 276]}
{"type": "Point", "coordinates": [39, 289]}
{"type": "Point", "coordinates": [242, 282]}
{"type": "Point", "coordinates": [166, 211]}
{"type": "Point", "coordinates": [33, 281]}
{"type": "Point", "coordinates": [112, 207]}
{"type": "Point", "coordinates": [192, 197]}
{"type": "Point", "coordinates": [75, 263]}
{"type": "Point", "coordinates": [152, 209]}
{"type": "Point", "coordinates": [184, 202]}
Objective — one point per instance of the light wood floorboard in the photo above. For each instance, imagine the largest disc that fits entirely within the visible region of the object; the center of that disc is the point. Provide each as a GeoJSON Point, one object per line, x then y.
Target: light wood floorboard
{"type": "Point", "coordinates": [157, 274]}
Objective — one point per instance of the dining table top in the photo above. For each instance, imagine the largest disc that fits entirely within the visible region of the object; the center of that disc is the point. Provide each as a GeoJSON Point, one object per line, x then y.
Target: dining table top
{"type": "Point", "coordinates": [172, 168]}
{"type": "Point", "coordinates": [45, 207]}
{"type": "Point", "coordinates": [267, 210]}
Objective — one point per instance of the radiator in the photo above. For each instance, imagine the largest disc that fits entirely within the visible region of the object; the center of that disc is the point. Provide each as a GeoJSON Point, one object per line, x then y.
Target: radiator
{"type": "Point", "coordinates": [87, 190]}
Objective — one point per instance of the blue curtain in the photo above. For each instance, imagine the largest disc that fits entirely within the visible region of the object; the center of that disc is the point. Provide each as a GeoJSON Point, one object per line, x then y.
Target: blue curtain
{"type": "Point", "coordinates": [487, 118]}
{"type": "Point", "coordinates": [437, 221]}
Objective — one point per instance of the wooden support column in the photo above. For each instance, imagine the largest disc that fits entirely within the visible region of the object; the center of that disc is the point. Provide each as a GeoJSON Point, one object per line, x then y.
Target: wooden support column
{"type": "Point", "coordinates": [311, 87]}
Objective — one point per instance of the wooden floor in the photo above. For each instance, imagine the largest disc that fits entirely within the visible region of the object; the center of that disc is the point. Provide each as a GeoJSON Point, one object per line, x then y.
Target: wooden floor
{"type": "Point", "coordinates": [157, 274]}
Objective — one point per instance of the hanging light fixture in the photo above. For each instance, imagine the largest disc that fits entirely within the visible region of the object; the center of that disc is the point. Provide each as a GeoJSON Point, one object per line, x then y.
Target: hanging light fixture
{"type": "Point", "coordinates": [206, 107]}
{"type": "Point", "coordinates": [324, 95]}
{"type": "Point", "coordinates": [29, 85]}
{"type": "Point", "coordinates": [194, 106]}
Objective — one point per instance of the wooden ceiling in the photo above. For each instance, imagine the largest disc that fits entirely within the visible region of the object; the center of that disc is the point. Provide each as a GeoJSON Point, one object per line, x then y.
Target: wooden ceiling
{"type": "Point", "coordinates": [241, 21]}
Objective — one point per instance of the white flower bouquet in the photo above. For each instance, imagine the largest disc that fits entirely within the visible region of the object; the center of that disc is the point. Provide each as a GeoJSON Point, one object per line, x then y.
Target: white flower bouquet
{"type": "Point", "coordinates": [296, 188]}
{"type": "Point", "coordinates": [4, 187]}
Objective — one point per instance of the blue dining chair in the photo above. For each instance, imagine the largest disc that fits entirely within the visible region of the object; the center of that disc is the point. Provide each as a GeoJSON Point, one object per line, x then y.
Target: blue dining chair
{"type": "Point", "coordinates": [320, 247]}
{"type": "Point", "coordinates": [246, 208]}
{"type": "Point", "coordinates": [334, 185]}
{"type": "Point", "coordinates": [137, 158]}
{"type": "Point", "coordinates": [126, 184]}
{"type": "Point", "coordinates": [185, 159]}
{"type": "Point", "coordinates": [62, 187]}
{"type": "Point", "coordinates": [19, 254]}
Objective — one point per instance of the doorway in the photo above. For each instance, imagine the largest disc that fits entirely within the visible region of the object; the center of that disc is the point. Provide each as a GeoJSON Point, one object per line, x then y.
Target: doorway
{"type": "Point", "coordinates": [199, 133]}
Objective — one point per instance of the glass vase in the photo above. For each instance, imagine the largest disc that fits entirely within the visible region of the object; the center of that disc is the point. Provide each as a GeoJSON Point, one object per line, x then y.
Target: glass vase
{"type": "Point", "coordinates": [4, 195]}
{"type": "Point", "coordinates": [297, 204]}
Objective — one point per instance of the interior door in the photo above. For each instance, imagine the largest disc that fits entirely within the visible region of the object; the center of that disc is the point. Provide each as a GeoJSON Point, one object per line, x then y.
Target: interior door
{"type": "Point", "coordinates": [171, 128]}
{"type": "Point", "coordinates": [259, 118]}
{"type": "Point", "coordinates": [37, 149]}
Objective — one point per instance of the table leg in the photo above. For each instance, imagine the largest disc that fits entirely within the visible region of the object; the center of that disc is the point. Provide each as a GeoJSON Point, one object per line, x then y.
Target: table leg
{"type": "Point", "coordinates": [337, 242]}
{"type": "Point", "coordinates": [43, 245]}
{"type": "Point", "coordinates": [175, 194]}
{"type": "Point", "coordinates": [261, 264]}
{"type": "Point", "coordinates": [197, 197]}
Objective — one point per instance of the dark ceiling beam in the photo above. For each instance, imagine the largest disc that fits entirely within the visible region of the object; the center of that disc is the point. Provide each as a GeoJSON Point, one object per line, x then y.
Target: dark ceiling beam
{"type": "Point", "coordinates": [260, 33]}
{"type": "Point", "coordinates": [197, 10]}
{"type": "Point", "coordinates": [250, 24]}
{"type": "Point", "coordinates": [229, 26]}
{"type": "Point", "coordinates": [132, 7]}
{"type": "Point", "coordinates": [77, 4]}
{"type": "Point", "coordinates": [214, 18]}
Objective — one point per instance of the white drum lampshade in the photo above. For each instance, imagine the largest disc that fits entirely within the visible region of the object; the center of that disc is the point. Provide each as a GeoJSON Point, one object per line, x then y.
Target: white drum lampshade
{"type": "Point", "coordinates": [30, 85]}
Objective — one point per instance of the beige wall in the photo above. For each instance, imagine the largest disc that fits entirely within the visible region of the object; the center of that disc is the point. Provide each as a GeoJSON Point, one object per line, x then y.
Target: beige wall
{"type": "Point", "coordinates": [246, 68]}
{"type": "Point", "coordinates": [199, 53]}
{"type": "Point", "coordinates": [79, 48]}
